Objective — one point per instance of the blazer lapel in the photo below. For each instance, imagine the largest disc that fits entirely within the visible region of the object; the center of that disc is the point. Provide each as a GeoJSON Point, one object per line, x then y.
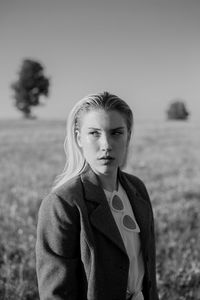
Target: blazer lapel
{"type": "Point", "coordinates": [140, 206]}
{"type": "Point", "coordinates": [100, 216]}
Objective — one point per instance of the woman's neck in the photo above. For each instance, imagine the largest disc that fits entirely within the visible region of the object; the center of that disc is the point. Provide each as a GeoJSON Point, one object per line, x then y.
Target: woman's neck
{"type": "Point", "coordinates": [109, 183]}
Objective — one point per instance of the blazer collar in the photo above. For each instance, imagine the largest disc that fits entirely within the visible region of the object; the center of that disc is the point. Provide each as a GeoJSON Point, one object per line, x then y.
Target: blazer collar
{"type": "Point", "coordinates": [101, 217]}
{"type": "Point", "coordinates": [141, 207]}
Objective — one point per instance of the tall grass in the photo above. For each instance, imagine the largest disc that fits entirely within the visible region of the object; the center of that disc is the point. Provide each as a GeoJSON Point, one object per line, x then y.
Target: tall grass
{"type": "Point", "coordinates": [165, 155]}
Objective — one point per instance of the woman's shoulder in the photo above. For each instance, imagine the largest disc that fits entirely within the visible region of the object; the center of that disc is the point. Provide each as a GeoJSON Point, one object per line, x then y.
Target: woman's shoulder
{"type": "Point", "coordinates": [71, 188]}
{"type": "Point", "coordinates": [59, 207]}
{"type": "Point", "coordinates": [63, 196]}
{"type": "Point", "coordinates": [137, 183]}
{"type": "Point", "coordinates": [134, 179]}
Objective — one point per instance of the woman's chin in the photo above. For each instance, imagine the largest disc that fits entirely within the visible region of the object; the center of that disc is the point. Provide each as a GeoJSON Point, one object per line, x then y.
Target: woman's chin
{"type": "Point", "coordinates": [105, 170]}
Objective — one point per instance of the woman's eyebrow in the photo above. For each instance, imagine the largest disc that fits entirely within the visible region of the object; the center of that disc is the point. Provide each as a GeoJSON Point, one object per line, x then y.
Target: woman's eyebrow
{"type": "Point", "coordinates": [118, 128]}
{"type": "Point", "coordinates": [115, 128]}
{"type": "Point", "coordinates": [94, 128]}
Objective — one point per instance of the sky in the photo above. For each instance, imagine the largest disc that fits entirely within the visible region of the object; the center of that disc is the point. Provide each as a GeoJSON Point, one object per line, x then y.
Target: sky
{"type": "Point", "coordinates": [145, 51]}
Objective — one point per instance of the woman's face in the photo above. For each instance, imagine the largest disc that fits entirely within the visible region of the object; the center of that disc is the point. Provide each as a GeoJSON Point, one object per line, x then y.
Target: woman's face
{"type": "Point", "coordinates": [103, 138]}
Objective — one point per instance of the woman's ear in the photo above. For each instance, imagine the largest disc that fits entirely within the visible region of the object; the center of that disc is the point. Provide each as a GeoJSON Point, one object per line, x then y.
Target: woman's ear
{"type": "Point", "coordinates": [78, 138]}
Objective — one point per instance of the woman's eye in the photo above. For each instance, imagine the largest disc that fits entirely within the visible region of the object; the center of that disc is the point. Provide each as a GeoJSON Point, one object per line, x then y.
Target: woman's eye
{"type": "Point", "coordinates": [117, 133]}
{"type": "Point", "coordinates": [94, 133]}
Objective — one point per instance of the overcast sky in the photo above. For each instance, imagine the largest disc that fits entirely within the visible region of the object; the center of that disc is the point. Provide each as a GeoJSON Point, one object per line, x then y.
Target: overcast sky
{"type": "Point", "coordinates": [145, 51]}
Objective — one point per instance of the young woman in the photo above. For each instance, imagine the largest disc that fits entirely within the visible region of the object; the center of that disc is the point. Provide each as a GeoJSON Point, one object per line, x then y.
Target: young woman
{"type": "Point", "coordinates": [95, 237]}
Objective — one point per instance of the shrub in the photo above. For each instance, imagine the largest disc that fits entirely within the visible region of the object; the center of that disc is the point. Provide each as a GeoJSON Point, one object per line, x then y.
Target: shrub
{"type": "Point", "coordinates": [177, 111]}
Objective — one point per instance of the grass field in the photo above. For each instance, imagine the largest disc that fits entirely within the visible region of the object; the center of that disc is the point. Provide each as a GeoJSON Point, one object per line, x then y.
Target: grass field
{"type": "Point", "coordinates": [165, 155]}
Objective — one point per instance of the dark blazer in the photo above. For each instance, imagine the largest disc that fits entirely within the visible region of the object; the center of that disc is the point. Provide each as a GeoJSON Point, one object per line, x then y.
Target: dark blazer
{"type": "Point", "coordinates": [79, 251]}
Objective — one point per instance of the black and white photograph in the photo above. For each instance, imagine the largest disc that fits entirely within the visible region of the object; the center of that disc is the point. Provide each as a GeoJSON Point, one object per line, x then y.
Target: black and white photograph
{"type": "Point", "coordinates": [100, 150]}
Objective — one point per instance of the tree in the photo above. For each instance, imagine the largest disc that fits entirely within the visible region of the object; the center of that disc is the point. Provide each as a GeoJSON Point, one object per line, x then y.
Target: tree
{"type": "Point", "coordinates": [177, 110]}
{"type": "Point", "coordinates": [31, 84]}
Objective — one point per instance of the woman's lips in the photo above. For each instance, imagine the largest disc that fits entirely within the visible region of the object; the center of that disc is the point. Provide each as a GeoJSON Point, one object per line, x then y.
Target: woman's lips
{"type": "Point", "coordinates": [106, 160]}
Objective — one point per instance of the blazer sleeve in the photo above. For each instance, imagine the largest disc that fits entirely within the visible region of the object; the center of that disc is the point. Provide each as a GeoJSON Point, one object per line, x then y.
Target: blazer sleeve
{"type": "Point", "coordinates": [57, 249]}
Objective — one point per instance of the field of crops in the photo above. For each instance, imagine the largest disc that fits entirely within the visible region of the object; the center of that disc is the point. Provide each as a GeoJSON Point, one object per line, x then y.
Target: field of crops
{"type": "Point", "coordinates": [165, 155]}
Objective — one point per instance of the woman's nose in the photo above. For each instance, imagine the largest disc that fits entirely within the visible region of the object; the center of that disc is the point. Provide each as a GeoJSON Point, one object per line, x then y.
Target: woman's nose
{"type": "Point", "coordinates": [105, 143]}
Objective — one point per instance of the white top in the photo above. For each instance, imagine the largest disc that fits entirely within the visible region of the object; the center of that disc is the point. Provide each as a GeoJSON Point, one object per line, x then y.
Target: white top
{"type": "Point", "coordinates": [131, 239]}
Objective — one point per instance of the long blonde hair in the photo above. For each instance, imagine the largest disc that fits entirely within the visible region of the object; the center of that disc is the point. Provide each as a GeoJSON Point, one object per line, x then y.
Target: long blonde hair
{"type": "Point", "coordinates": [75, 161]}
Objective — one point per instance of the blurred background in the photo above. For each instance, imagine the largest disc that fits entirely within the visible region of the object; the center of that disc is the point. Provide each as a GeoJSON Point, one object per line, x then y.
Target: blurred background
{"type": "Point", "coordinates": [146, 52]}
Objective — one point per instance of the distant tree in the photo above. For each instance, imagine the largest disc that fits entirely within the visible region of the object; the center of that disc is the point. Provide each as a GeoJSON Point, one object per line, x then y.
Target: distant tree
{"type": "Point", "coordinates": [177, 110]}
{"type": "Point", "coordinates": [31, 84]}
